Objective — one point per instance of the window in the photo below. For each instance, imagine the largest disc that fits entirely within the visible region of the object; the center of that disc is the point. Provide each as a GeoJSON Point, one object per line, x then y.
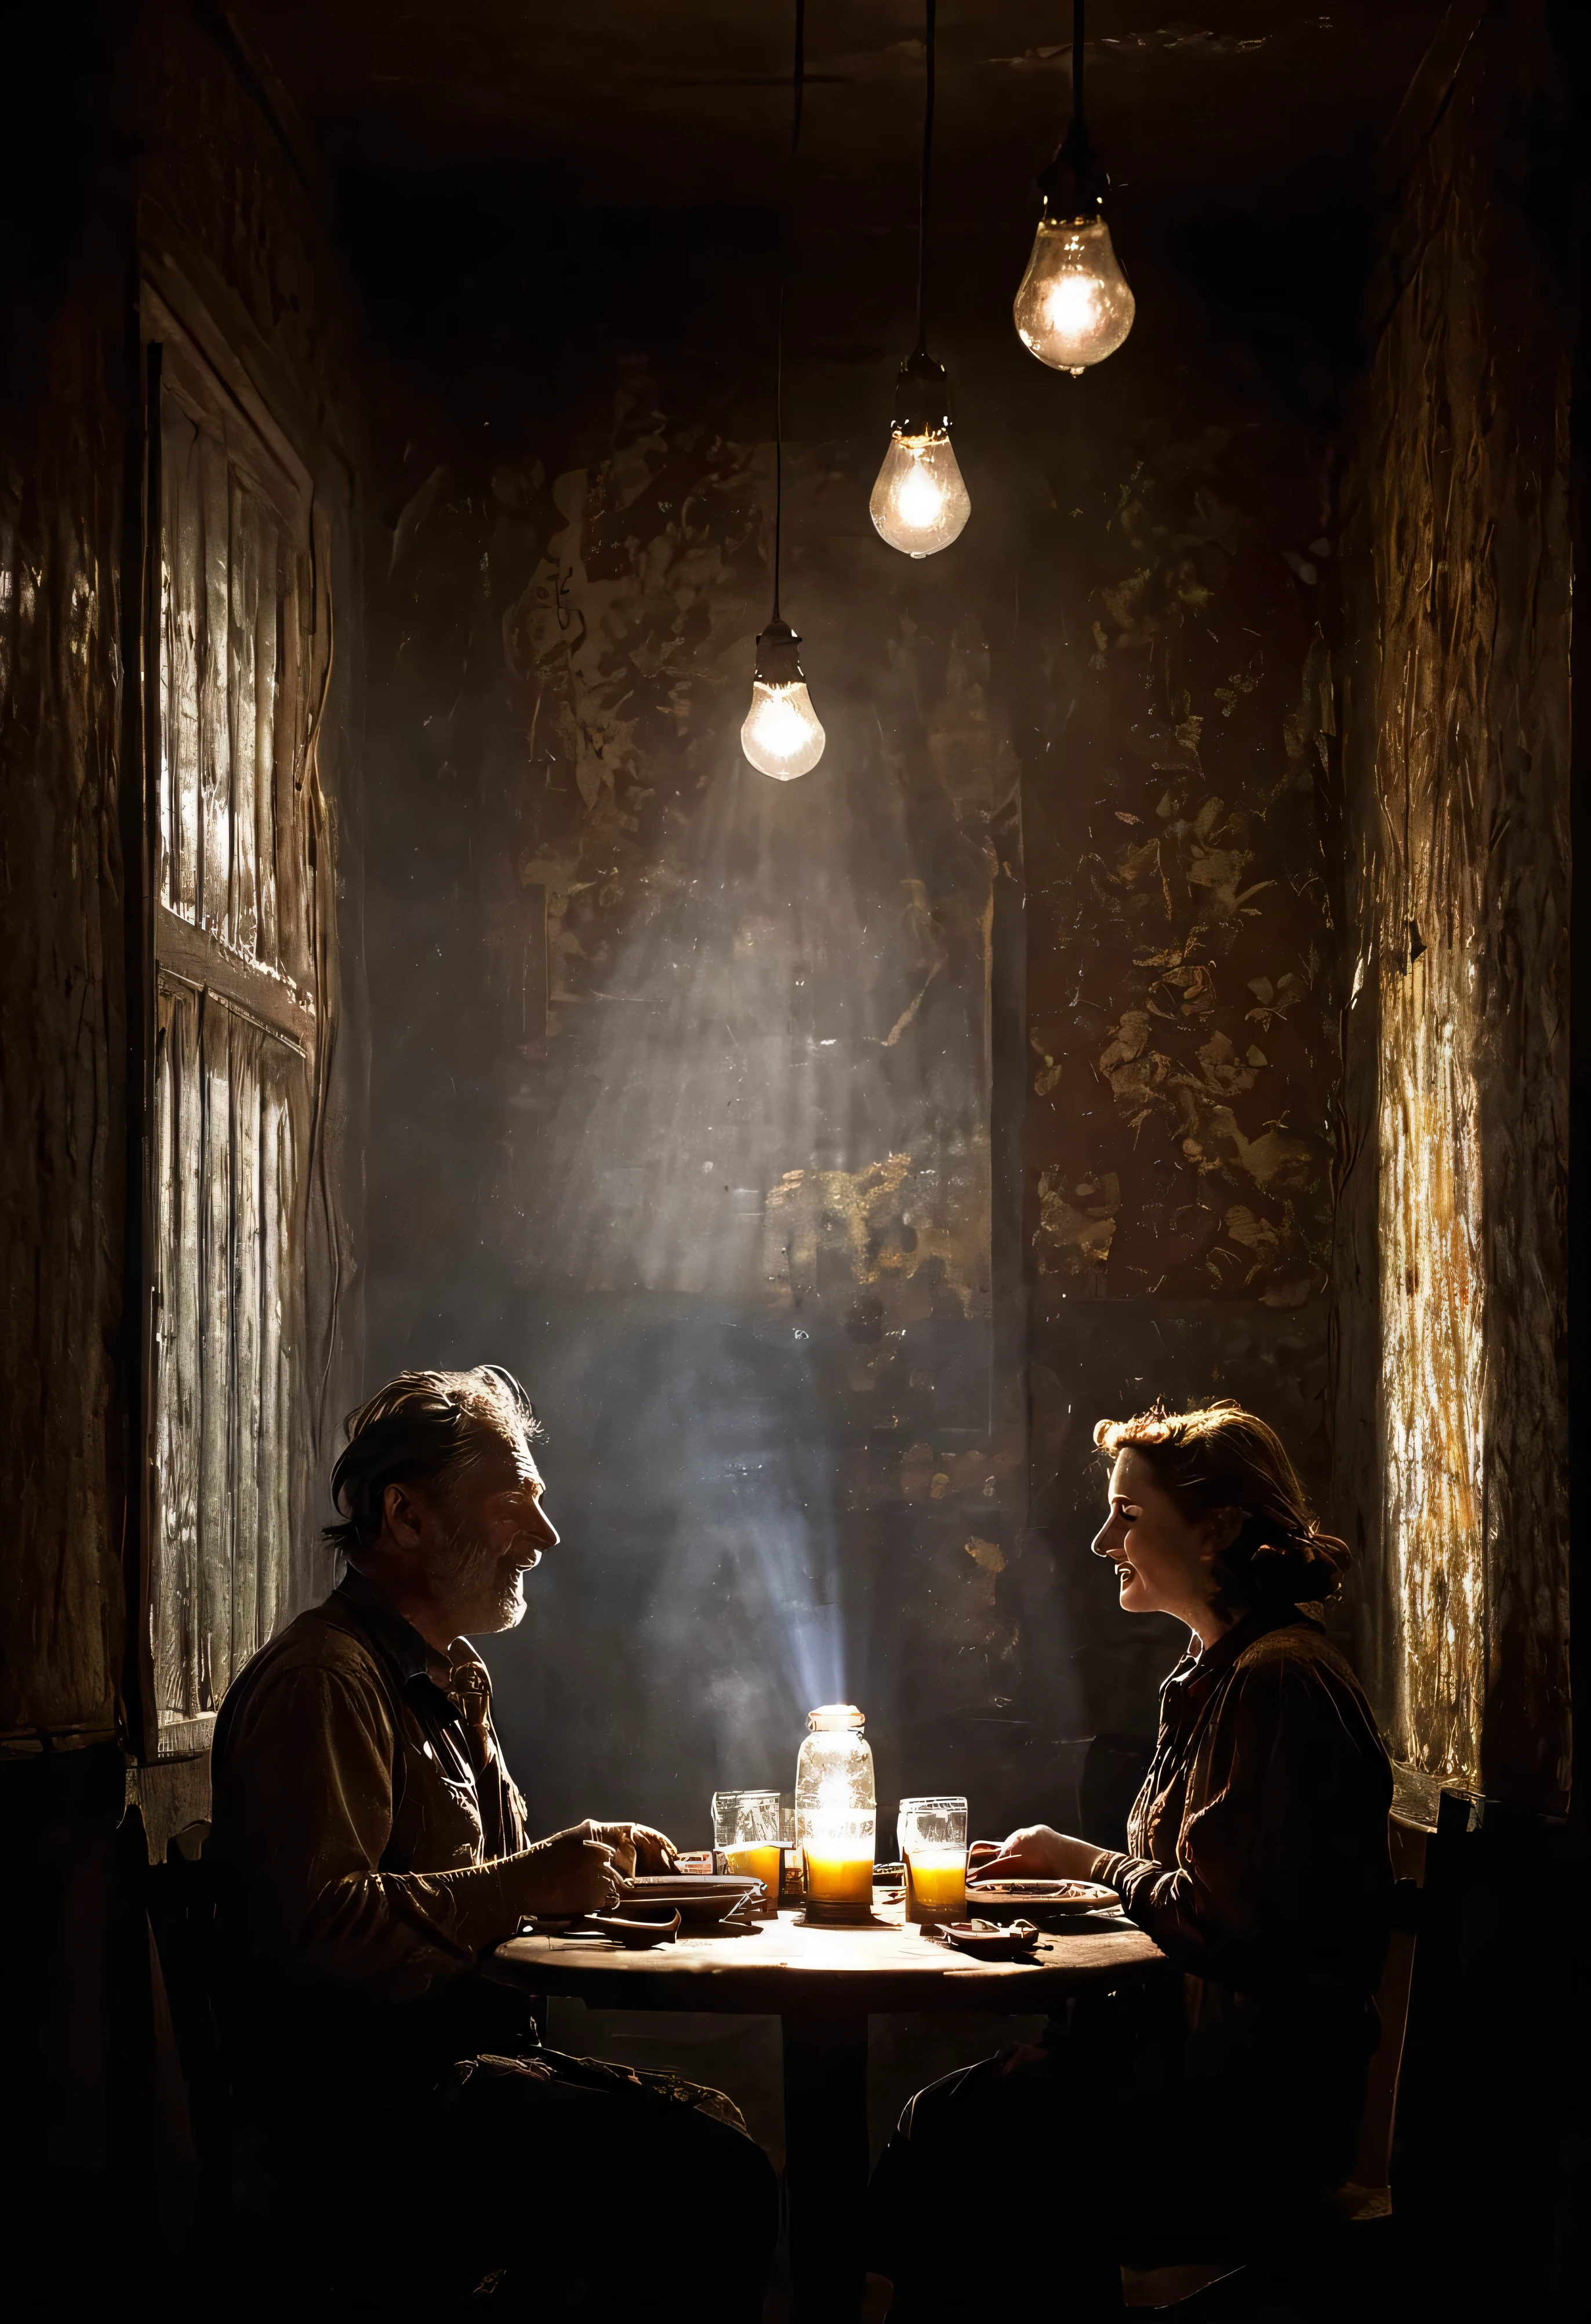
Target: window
{"type": "Point", "coordinates": [230, 665]}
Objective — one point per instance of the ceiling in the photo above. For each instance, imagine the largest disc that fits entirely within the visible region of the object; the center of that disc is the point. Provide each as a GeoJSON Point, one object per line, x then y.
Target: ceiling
{"type": "Point", "coordinates": [628, 102]}
{"type": "Point", "coordinates": [551, 174]}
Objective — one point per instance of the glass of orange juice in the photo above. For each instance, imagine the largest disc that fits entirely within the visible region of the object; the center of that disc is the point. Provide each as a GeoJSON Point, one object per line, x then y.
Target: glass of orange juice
{"type": "Point", "coordinates": [746, 1830]}
{"type": "Point", "coordinates": [932, 1835]}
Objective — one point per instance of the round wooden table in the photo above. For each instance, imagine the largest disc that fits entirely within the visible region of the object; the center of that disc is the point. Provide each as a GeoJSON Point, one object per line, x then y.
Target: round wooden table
{"type": "Point", "coordinates": [823, 1984]}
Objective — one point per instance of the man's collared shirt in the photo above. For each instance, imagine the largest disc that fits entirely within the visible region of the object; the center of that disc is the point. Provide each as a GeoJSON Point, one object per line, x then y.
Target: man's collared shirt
{"type": "Point", "coordinates": [360, 1793]}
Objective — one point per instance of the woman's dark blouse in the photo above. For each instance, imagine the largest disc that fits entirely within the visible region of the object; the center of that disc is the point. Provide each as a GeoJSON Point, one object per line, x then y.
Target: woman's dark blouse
{"type": "Point", "coordinates": [1258, 1848]}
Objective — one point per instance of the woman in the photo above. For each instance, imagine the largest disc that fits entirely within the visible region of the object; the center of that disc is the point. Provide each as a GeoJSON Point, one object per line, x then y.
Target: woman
{"type": "Point", "coordinates": [1256, 1857]}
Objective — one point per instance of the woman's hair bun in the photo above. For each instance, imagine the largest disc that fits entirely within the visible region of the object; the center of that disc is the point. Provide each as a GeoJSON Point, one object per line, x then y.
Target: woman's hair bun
{"type": "Point", "coordinates": [1300, 1566]}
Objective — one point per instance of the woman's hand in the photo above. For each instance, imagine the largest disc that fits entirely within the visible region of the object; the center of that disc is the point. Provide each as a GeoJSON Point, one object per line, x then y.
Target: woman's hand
{"type": "Point", "coordinates": [638, 1847]}
{"type": "Point", "coordinates": [573, 1872]}
{"type": "Point", "coordinates": [1035, 1852]}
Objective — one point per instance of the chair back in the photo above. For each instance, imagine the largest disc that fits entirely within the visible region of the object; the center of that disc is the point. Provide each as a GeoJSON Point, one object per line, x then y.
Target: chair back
{"type": "Point", "coordinates": [1492, 2079]}
{"type": "Point", "coordinates": [188, 1902]}
{"type": "Point", "coordinates": [1368, 2192]}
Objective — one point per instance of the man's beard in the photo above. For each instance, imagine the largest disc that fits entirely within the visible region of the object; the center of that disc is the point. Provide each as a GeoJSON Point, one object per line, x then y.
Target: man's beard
{"type": "Point", "coordinates": [486, 1588]}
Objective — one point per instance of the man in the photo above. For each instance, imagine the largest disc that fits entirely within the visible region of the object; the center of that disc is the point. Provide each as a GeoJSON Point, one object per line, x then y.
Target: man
{"type": "Point", "coordinates": [378, 1849]}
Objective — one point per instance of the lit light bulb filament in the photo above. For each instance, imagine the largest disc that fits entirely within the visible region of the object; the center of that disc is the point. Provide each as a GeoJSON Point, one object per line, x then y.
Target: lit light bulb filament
{"type": "Point", "coordinates": [781, 735]}
{"type": "Point", "coordinates": [920, 502]}
{"type": "Point", "coordinates": [1074, 307]}
{"type": "Point", "coordinates": [921, 497]}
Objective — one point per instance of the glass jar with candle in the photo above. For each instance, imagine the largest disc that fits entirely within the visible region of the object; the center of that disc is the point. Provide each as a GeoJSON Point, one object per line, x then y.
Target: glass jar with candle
{"type": "Point", "coordinates": [932, 1835]}
{"type": "Point", "coordinates": [836, 1813]}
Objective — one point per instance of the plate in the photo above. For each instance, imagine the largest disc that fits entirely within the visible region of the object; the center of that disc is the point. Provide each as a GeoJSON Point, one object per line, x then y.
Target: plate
{"type": "Point", "coordinates": [1038, 1900]}
{"type": "Point", "coordinates": [636, 1936]}
{"type": "Point", "coordinates": [698, 1896]}
{"type": "Point", "coordinates": [984, 1944]}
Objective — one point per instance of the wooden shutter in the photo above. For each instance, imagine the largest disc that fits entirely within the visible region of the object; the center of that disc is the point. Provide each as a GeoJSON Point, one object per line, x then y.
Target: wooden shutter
{"type": "Point", "coordinates": [235, 1032]}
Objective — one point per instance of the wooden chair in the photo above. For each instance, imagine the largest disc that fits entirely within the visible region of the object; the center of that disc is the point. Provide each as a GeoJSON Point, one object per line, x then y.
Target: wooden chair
{"type": "Point", "coordinates": [188, 1900]}
{"type": "Point", "coordinates": [250, 2228]}
{"type": "Point", "coordinates": [1488, 2157]}
{"type": "Point", "coordinates": [241, 2207]}
{"type": "Point", "coordinates": [1199, 2288]}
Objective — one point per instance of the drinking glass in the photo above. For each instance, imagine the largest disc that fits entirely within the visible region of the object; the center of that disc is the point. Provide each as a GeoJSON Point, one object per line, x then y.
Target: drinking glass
{"type": "Point", "coordinates": [932, 1836]}
{"type": "Point", "coordinates": [746, 1832]}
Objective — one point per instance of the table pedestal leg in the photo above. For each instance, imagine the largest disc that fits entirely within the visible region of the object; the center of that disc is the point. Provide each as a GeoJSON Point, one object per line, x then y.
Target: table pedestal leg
{"type": "Point", "coordinates": [827, 2158]}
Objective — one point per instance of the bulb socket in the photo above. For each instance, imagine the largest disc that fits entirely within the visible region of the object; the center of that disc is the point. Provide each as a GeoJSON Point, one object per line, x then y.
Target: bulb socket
{"type": "Point", "coordinates": [1075, 184]}
{"type": "Point", "coordinates": [922, 397]}
{"type": "Point", "coordinates": [778, 655]}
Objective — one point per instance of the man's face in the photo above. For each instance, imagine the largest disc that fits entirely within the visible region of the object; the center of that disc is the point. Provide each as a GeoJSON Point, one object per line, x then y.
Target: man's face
{"type": "Point", "coordinates": [479, 1541]}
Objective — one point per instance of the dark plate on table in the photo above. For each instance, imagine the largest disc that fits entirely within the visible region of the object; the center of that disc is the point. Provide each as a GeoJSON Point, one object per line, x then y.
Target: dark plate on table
{"type": "Point", "coordinates": [701, 1898]}
{"type": "Point", "coordinates": [1046, 1902]}
{"type": "Point", "coordinates": [983, 1943]}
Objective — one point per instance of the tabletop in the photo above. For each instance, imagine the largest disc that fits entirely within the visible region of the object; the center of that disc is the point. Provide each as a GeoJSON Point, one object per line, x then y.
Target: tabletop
{"type": "Point", "coordinates": [786, 1966]}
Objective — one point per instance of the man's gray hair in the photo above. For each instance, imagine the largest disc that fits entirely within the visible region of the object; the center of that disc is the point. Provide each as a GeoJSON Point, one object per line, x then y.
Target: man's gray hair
{"type": "Point", "coordinates": [422, 1428]}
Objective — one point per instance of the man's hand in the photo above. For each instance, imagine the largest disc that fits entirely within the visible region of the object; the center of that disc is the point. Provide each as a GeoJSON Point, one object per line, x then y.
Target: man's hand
{"type": "Point", "coordinates": [1033, 1853]}
{"type": "Point", "coordinates": [639, 1849]}
{"type": "Point", "coordinates": [654, 1851]}
{"type": "Point", "coordinates": [573, 1872]}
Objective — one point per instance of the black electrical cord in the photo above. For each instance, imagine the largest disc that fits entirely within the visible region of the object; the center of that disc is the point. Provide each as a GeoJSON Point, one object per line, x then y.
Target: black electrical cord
{"type": "Point", "coordinates": [1074, 184]}
{"type": "Point", "coordinates": [1078, 51]}
{"type": "Point", "coordinates": [797, 90]}
{"type": "Point", "coordinates": [927, 174]}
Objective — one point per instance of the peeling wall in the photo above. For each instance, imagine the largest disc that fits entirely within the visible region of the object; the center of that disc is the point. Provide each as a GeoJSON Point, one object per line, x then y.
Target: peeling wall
{"type": "Point", "coordinates": [1455, 675]}
{"type": "Point", "coordinates": [791, 1288]}
{"type": "Point", "coordinates": [1181, 1031]}
{"type": "Point", "coordinates": [729, 1212]}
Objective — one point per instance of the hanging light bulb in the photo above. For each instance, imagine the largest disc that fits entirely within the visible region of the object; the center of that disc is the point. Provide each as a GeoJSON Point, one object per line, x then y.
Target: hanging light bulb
{"type": "Point", "coordinates": [919, 502]}
{"type": "Point", "coordinates": [1073, 307]}
{"type": "Point", "coordinates": [781, 735]}
{"type": "Point", "coordinates": [781, 732]}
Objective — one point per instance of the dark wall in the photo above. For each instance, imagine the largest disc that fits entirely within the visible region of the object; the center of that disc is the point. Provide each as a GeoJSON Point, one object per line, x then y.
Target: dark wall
{"type": "Point", "coordinates": [1003, 1036]}
{"type": "Point", "coordinates": [1181, 1061]}
{"type": "Point", "coordinates": [730, 1216]}
{"type": "Point", "coordinates": [142, 141]}
{"type": "Point", "coordinates": [1452, 1274]}
{"type": "Point", "coordinates": [62, 1025]}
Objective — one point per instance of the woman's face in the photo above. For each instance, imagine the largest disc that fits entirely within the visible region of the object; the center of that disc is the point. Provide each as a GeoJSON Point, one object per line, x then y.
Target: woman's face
{"type": "Point", "coordinates": [1163, 1561]}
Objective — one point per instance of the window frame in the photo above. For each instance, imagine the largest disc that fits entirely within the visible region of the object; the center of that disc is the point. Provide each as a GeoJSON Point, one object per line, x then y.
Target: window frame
{"type": "Point", "coordinates": [183, 353]}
